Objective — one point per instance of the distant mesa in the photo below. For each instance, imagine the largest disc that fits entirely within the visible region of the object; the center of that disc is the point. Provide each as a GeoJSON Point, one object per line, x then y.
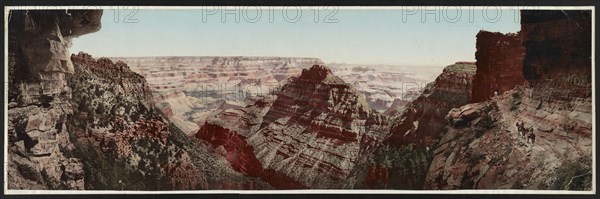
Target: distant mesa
{"type": "Point", "coordinates": [466, 62]}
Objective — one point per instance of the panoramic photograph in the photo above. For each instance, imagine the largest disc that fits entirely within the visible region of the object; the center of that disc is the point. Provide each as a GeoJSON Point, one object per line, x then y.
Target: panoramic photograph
{"type": "Point", "coordinates": [134, 98]}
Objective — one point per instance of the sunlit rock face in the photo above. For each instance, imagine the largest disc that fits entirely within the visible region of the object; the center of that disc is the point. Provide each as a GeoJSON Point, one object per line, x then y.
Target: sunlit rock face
{"type": "Point", "coordinates": [485, 149]}
{"type": "Point", "coordinates": [308, 134]}
{"type": "Point", "coordinates": [39, 62]}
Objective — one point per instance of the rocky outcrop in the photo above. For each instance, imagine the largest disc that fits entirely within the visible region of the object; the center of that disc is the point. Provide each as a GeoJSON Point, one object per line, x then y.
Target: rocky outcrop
{"type": "Point", "coordinates": [402, 161]}
{"type": "Point", "coordinates": [499, 64]}
{"type": "Point", "coordinates": [423, 119]}
{"type": "Point", "coordinates": [114, 114]}
{"type": "Point", "coordinates": [40, 41]}
{"type": "Point", "coordinates": [39, 98]}
{"type": "Point", "coordinates": [485, 148]}
{"type": "Point", "coordinates": [308, 134]}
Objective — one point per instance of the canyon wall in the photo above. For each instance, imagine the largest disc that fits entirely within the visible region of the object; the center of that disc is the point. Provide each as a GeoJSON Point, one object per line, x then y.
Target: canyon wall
{"type": "Point", "coordinates": [308, 134]}
{"type": "Point", "coordinates": [499, 64]}
{"type": "Point", "coordinates": [402, 161]}
{"type": "Point", "coordinates": [483, 147]}
{"type": "Point", "coordinates": [39, 98]}
{"type": "Point", "coordinates": [75, 122]}
{"type": "Point", "coordinates": [424, 118]}
{"type": "Point", "coordinates": [188, 89]}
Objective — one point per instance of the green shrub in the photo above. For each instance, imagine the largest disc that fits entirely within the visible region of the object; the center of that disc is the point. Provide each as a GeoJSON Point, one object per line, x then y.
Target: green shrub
{"type": "Point", "coordinates": [575, 175]}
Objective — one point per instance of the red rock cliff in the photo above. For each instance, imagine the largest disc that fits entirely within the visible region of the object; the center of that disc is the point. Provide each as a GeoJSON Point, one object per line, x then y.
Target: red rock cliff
{"type": "Point", "coordinates": [484, 149]}
{"type": "Point", "coordinates": [499, 64]}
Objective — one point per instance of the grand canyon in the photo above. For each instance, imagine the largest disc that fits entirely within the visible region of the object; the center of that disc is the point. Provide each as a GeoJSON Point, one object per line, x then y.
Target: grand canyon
{"type": "Point", "coordinates": [518, 116]}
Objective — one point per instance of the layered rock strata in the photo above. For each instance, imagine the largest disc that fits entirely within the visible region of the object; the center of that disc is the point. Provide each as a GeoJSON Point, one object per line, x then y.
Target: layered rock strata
{"type": "Point", "coordinates": [485, 148]}
{"type": "Point", "coordinates": [189, 88]}
{"type": "Point", "coordinates": [402, 161]}
{"type": "Point", "coordinates": [308, 134]}
{"type": "Point", "coordinates": [423, 118]}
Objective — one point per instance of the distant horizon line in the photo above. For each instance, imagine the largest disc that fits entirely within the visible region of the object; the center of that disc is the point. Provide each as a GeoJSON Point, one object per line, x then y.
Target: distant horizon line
{"type": "Point", "coordinates": [271, 56]}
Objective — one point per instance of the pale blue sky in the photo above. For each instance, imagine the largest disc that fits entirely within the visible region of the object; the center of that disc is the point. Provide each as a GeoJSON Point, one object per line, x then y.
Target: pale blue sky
{"type": "Point", "coordinates": [360, 36]}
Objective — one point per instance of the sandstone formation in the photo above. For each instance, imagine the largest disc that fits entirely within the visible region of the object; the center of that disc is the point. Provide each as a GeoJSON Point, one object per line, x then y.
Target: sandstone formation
{"type": "Point", "coordinates": [499, 64]}
{"type": "Point", "coordinates": [484, 148]}
{"type": "Point", "coordinates": [423, 118]}
{"type": "Point", "coordinates": [39, 98]}
{"type": "Point", "coordinates": [403, 159]}
{"type": "Point", "coordinates": [308, 134]}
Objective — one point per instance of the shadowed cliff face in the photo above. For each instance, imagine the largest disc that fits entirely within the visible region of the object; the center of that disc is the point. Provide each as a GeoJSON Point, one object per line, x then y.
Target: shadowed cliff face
{"type": "Point", "coordinates": [40, 41]}
{"type": "Point", "coordinates": [563, 53]}
{"type": "Point", "coordinates": [499, 64]}
{"type": "Point", "coordinates": [487, 150]}
{"type": "Point", "coordinates": [39, 98]}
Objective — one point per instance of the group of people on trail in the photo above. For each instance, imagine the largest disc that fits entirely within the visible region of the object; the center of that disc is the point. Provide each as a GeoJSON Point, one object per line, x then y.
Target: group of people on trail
{"type": "Point", "coordinates": [525, 133]}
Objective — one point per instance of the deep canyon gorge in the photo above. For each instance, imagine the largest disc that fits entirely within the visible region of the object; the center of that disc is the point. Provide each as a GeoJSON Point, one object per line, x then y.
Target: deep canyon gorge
{"type": "Point", "coordinates": [518, 117]}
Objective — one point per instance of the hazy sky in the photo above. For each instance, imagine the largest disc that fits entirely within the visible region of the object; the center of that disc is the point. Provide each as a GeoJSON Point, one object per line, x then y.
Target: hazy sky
{"type": "Point", "coordinates": [362, 36]}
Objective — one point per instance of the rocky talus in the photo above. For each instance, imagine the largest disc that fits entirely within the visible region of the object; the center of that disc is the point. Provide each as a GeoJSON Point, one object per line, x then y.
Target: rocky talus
{"type": "Point", "coordinates": [485, 149]}
{"type": "Point", "coordinates": [308, 134]}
